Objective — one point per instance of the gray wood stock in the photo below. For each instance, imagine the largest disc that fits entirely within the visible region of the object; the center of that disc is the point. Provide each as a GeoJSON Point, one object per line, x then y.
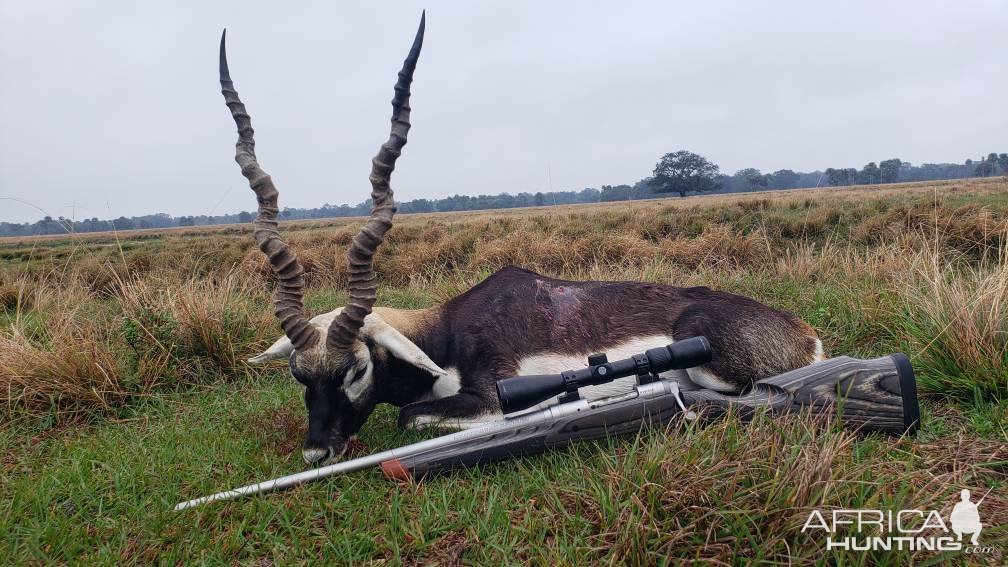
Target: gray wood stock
{"type": "Point", "coordinates": [867, 395]}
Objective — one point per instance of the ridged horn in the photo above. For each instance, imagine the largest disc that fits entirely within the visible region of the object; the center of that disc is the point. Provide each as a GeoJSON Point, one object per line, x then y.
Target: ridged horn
{"type": "Point", "coordinates": [283, 261]}
{"type": "Point", "coordinates": [360, 256]}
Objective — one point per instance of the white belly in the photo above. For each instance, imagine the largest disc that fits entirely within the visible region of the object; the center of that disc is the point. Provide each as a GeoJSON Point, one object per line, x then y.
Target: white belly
{"type": "Point", "coordinates": [554, 363]}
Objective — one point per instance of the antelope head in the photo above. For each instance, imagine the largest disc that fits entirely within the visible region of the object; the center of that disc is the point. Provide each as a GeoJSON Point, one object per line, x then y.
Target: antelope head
{"type": "Point", "coordinates": [330, 354]}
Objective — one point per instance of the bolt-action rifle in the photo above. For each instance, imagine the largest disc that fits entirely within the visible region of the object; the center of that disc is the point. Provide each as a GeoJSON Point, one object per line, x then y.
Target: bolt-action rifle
{"type": "Point", "coordinates": [878, 394]}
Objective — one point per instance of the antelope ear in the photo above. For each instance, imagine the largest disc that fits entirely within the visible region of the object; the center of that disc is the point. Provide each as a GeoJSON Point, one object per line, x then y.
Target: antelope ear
{"type": "Point", "coordinates": [283, 347]}
{"type": "Point", "coordinates": [402, 348]}
{"type": "Point", "coordinates": [280, 350]}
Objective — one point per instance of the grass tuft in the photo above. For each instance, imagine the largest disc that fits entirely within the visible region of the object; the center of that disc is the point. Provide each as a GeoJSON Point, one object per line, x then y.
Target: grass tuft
{"type": "Point", "coordinates": [67, 368]}
{"type": "Point", "coordinates": [956, 320]}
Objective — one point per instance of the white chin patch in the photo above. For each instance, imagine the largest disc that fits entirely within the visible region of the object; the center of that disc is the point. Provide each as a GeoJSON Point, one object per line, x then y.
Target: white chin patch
{"type": "Point", "coordinates": [312, 456]}
{"type": "Point", "coordinates": [318, 456]}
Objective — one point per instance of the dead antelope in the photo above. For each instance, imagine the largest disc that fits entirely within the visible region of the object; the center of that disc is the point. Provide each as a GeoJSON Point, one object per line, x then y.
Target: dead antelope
{"type": "Point", "coordinates": [440, 365]}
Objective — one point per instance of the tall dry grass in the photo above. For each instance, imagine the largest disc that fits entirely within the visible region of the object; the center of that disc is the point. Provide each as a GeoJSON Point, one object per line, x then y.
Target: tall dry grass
{"type": "Point", "coordinates": [72, 349]}
{"type": "Point", "coordinates": [72, 367]}
{"type": "Point", "coordinates": [201, 323]}
{"type": "Point", "coordinates": [956, 318]}
{"type": "Point", "coordinates": [920, 269]}
{"type": "Point", "coordinates": [62, 359]}
{"type": "Point", "coordinates": [736, 230]}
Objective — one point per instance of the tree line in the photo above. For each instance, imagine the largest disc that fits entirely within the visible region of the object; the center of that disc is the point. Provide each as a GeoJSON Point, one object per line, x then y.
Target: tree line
{"type": "Point", "coordinates": [682, 172]}
{"type": "Point", "coordinates": [685, 172]}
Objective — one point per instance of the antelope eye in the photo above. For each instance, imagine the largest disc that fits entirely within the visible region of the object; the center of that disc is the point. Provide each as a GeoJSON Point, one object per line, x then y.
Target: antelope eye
{"type": "Point", "coordinates": [358, 373]}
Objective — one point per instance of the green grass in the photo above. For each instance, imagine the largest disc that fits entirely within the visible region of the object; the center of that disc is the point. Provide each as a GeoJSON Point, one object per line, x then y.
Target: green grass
{"type": "Point", "coordinates": [995, 200]}
{"type": "Point", "coordinates": [103, 493]}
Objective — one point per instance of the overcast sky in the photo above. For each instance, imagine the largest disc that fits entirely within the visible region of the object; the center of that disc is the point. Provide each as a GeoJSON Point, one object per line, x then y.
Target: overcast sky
{"type": "Point", "coordinates": [113, 108]}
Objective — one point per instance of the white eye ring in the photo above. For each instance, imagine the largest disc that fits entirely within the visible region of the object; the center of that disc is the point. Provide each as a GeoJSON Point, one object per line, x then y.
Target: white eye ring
{"type": "Point", "coordinates": [355, 386]}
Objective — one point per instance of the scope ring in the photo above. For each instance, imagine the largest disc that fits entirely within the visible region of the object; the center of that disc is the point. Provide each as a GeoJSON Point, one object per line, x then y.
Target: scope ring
{"type": "Point", "coordinates": [643, 364]}
{"type": "Point", "coordinates": [570, 381]}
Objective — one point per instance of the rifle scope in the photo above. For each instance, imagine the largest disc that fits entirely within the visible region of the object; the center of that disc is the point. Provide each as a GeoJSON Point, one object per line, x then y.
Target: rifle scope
{"type": "Point", "coordinates": [522, 392]}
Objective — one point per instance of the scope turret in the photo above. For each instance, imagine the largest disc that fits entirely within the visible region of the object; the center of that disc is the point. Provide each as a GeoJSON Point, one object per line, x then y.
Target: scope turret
{"type": "Point", "coordinates": [522, 392]}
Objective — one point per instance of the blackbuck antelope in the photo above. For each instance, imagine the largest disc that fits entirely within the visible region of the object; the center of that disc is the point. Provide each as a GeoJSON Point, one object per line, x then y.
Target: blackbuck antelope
{"type": "Point", "coordinates": [439, 365]}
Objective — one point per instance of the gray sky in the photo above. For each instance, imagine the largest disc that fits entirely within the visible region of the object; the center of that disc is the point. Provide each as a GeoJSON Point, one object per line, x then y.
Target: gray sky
{"type": "Point", "coordinates": [115, 107]}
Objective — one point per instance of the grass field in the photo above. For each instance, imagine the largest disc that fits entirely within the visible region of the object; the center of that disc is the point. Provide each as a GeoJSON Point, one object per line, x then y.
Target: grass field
{"type": "Point", "coordinates": [125, 391]}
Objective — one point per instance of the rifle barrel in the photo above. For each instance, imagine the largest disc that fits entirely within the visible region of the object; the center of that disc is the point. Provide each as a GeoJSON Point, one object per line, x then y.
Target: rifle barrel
{"type": "Point", "coordinates": [370, 460]}
{"type": "Point", "coordinates": [291, 480]}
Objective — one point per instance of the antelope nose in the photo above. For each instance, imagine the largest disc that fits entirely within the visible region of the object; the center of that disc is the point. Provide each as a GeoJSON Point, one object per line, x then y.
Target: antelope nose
{"type": "Point", "coordinates": [312, 456]}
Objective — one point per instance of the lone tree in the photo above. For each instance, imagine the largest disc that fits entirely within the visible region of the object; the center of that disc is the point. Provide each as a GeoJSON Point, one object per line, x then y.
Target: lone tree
{"type": "Point", "coordinates": [682, 172]}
